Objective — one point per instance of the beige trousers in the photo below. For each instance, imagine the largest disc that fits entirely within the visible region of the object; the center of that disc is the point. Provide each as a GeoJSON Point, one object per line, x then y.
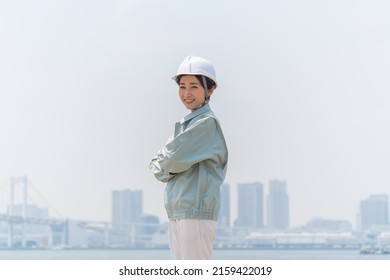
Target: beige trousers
{"type": "Point", "coordinates": [191, 239]}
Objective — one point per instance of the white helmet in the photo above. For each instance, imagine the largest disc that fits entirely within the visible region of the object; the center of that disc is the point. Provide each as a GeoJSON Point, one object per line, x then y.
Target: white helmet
{"type": "Point", "coordinates": [195, 65]}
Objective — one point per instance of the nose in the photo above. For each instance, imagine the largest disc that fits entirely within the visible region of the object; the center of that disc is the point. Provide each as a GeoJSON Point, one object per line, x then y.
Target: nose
{"type": "Point", "coordinates": [187, 93]}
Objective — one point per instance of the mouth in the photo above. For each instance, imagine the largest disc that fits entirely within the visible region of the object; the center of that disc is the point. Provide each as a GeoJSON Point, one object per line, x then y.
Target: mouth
{"type": "Point", "coordinates": [189, 101]}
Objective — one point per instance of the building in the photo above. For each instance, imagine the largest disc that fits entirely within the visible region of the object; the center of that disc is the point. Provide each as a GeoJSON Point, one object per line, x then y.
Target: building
{"type": "Point", "coordinates": [224, 210]}
{"type": "Point", "coordinates": [250, 206]}
{"type": "Point", "coordinates": [223, 228]}
{"type": "Point", "coordinates": [127, 207]}
{"type": "Point", "coordinates": [278, 213]}
{"type": "Point", "coordinates": [374, 211]}
{"type": "Point", "coordinates": [326, 225]}
{"type": "Point", "coordinates": [149, 224]}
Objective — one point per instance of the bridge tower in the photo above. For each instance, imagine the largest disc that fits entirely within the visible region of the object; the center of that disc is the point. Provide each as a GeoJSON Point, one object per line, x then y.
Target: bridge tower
{"type": "Point", "coordinates": [16, 182]}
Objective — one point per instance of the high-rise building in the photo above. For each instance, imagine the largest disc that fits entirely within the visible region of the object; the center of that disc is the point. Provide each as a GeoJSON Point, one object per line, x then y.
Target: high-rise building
{"type": "Point", "coordinates": [278, 205]}
{"type": "Point", "coordinates": [224, 210]}
{"type": "Point", "coordinates": [374, 211]}
{"type": "Point", "coordinates": [250, 206]}
{"type": "Point", "coordinates": [126, 208]}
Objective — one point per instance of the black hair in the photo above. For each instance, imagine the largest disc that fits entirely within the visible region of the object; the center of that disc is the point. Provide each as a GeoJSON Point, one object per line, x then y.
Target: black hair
{"type": "Point", "coordinates": [210, 83]}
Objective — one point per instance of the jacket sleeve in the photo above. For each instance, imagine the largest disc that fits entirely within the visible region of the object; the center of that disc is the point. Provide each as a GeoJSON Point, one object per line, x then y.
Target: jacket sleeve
{"type": "Point", "coordinates": [186, 149]}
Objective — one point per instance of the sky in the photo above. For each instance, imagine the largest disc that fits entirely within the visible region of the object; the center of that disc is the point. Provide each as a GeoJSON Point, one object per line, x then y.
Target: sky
{"type": "Point", "coordinates": [86, 98]}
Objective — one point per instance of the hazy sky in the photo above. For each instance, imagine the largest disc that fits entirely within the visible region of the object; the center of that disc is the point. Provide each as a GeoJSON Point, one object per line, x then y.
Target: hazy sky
{"type": "Point", "coordinates": [86, 98]}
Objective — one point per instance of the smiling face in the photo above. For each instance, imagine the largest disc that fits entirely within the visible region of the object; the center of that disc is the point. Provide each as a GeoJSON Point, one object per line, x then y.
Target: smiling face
{"type": "Point", "coordinates": [191, 92]}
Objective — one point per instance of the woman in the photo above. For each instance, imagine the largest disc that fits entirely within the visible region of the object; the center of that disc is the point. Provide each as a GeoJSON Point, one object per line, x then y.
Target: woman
{"type": "Point", "coordinates": [193, 164]}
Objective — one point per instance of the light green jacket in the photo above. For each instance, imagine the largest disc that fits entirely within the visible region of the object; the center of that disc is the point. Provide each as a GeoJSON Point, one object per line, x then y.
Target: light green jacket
{"type": "Point", "coordinates": [193, 163]}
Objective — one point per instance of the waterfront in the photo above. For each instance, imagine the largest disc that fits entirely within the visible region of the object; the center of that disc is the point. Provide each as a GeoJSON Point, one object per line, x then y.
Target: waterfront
{"type": "Point", "coordinates": [163, 254]}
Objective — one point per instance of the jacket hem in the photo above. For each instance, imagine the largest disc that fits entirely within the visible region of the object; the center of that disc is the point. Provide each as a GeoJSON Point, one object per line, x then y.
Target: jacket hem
{"type": "Point", "coordinates": [176, 215]}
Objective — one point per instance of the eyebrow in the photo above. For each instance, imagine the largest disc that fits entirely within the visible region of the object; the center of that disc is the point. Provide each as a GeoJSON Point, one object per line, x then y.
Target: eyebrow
{"type": "Point", "coordinates": [192, 83]}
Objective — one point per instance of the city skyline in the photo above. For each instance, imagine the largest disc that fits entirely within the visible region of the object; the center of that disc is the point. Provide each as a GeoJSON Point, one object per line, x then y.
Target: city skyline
{"type": "Point", "coordinates": [127, 204]}
{"type": "Point", "coordinates": [27, 225]}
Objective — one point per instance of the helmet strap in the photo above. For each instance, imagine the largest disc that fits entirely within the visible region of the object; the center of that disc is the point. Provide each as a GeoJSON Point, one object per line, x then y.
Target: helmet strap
{"type": "Point", "coordinates": [206, 91]}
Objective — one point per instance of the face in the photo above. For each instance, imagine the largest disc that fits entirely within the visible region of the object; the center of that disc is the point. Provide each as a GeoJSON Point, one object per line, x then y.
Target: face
{"type": "Point", "coordinates": [191, 92]}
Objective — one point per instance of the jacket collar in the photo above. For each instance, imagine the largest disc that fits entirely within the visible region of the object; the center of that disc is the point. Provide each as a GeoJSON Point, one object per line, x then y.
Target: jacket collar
{"type": "Point", "coordinates": [196, 113]}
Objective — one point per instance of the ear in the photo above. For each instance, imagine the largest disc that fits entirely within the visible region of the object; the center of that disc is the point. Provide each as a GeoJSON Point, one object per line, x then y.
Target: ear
{"type": "Point", "coordinates": [211, 91]}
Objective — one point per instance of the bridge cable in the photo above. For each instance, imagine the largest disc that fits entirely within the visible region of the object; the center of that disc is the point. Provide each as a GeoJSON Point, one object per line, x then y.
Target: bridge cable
{"type": "Point", "coordinates": [46, 201]}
